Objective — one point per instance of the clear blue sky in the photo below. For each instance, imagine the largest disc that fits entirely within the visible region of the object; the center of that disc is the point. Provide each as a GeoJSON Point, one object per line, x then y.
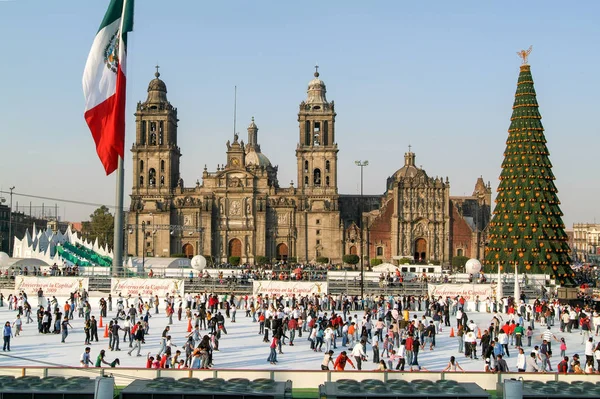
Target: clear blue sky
{"type": "Point", "coordinates": [438, 75]}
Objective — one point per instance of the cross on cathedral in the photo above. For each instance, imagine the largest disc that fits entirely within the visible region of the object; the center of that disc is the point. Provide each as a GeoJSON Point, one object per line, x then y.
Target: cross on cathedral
{"type": "Point", "coordinates": [157, 74]}
{"type": "Point", "coordinates": [316, 69]}
{"type": "Point", "coordinates": [409, 147]}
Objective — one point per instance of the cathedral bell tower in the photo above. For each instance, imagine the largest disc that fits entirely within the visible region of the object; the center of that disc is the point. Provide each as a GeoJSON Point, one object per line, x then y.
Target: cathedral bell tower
{"type": "Point", "coordinates": [155, 151]}
{"type": "Point", "coordinates": [316, 152]}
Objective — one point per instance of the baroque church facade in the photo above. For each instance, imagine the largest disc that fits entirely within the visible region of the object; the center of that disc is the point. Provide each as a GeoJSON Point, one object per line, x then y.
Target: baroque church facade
{"type": "Point", "coordinates": [241, 210]}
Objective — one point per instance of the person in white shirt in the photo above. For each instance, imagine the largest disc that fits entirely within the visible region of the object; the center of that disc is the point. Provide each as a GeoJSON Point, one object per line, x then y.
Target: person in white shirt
{"type": "Point", "coordinates": [359, 354]}
{"type": "Point", "coordinates": [521, 361]}
{"type": "Point", "coordinates": [530, 364]}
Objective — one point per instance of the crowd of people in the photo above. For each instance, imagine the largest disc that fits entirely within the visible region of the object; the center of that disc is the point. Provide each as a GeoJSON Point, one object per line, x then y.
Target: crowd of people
{"type": "Point", "coordinates": [391, 332]}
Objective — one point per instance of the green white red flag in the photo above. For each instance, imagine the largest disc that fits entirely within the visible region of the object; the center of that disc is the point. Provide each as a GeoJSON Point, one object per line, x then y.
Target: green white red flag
{"type": "Point", "coordinates": [104, 81]}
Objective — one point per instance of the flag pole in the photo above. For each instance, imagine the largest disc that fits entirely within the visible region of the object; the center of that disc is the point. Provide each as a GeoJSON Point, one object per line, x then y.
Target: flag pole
{"type": "Point", "coordinates": [118, 233]}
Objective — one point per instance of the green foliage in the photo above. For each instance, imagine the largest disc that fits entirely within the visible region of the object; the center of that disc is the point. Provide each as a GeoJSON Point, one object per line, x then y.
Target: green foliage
{"type": "Point", "coordinates": [261, 260]}
{"type": "Point", "coordinates": [292, 259]}
{"type": "Point", "coordinates": [376, 262]}
{"type": "Point", "coordinates": [234, 260]}
{"type": "Point", "coordinates": [458, 262]}
{"type": "Point", "coordinates": [179, 255]}
{"type": "Point", "coordinates": [322, 259]}
{"type": "Point", "coordinates": [351, 259]}
{"type": "Point", "coordinates": [101, 226]}
{"type": "Point", "coordinates": [435, 262]}
{"type": "Point", "coordinates": [405, 261]}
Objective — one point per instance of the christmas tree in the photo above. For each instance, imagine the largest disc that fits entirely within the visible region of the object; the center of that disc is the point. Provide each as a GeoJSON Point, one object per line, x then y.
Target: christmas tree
{"type": "Point", "coordinates": [527, 230]}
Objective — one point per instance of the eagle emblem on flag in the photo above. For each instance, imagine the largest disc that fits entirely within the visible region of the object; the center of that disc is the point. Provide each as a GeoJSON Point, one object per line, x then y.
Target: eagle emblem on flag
{"type": "Point", "coordinates": [111, 53]}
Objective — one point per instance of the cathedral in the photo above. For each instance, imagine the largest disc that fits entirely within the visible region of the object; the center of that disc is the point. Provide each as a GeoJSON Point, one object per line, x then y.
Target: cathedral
{"type": "Point", "coordinates": [240, 209]}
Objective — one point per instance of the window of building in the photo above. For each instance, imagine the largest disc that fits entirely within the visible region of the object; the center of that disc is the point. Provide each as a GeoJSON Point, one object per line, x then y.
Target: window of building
{"type": "Point", "coordinates": [152, 126]}
{"type": "Point", "coordinates": [152, 138]}
{"type": "Point", "coordinates": [152, 177]}
{"type": "Point", "coordinates": [459, 252]}
{"type": "Point", "coordinates": [162, 181]}
{"type": "Point", "coordinates": [141, 165]}
{"type": "Point", "coordinates": [327, 166]}
{"type": "Point", "coordinates": [317, 177]}
{"type": "Point", "coordinates": [325, 133]}
{"type": "Point", "coordinates": [318, 221]}
{"type": "Point", "coordinates": [305, 166]}
{"type": "Point", "coordinates": [318, 232]}
{"type": "Point", "coordinates": [379, 251]}
{"type": "Point", "coordinates": [141, 181]}
{"type": "Point", "coordinates": [326, 181]}
{"type": "Point", "coordinates": [143, 134]}
{"type": "Point", "coordinates": [160, 138]}
{"type": "Point", "coordinates": [162, 166]}
{"type": "Point", "coordinates": [318, 242]}
{"type": "Point", "coordinates": [306, 180]}
{"type": "Point", "coordinates": [307, 134]}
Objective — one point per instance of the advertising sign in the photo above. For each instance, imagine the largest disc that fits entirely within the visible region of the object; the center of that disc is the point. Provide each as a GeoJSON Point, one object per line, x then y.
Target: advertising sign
{"type": "Point", "coordinates": [467, 291]}
{"type": "Point", "coordinates": [52, 286]}
{"type": "Point", "coordinates": [146, 286]}
{"type": "Point", "coordinates": [288, 288]}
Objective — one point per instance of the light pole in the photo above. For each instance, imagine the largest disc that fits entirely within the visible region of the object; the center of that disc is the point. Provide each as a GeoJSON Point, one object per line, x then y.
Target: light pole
{"type": "Point", "coordinates": [10, 223]}
{"type": "Point", "coordinates": [143, 244]}
{"type": "Point", "coordinates": [361, 164]}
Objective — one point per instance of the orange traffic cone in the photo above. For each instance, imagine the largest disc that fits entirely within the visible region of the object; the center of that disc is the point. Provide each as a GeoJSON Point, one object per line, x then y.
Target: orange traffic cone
{"type": "Point", "coordinates": [451, 332]}
{"type": "Point", "coordinates": [478, 333]}
{"type": "Point", "coordinates": [100, 323]}
{"type": "Point", "coordinates": [106, 332]}
{"type": "Point", "coordinates": [189, 329]}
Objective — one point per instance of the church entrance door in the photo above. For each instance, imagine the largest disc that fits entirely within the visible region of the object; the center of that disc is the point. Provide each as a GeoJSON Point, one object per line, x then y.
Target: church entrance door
{"type": "Point", "coordinates": [235, 247]}
{"type": "Point", "coordinates": [282, 251]}
{"type": "Point", "coordinates": [188, 250]}
{"type": "Point", "coordinates": [353, 250]}
{"type": "Point", "coordinates": [420, 252]}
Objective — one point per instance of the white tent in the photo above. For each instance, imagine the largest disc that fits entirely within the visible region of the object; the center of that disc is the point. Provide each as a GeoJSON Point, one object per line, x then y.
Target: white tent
{"type": "Point", "coordinates": [384, 268]}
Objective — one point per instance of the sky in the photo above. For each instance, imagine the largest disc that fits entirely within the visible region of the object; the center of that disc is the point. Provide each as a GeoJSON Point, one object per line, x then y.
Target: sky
{"type": "Point", "coordinates": [437, 75]}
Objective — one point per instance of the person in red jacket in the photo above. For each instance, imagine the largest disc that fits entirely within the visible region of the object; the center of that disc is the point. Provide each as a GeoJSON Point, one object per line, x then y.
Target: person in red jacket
{"type": "Point", "coordinates": [340, 362]}
{"type": "Point", "coordinates": [292, 327]}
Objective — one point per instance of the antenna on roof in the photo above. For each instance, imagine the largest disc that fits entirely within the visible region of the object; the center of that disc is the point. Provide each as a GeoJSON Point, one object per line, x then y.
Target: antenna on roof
{"type": "Point", "coordinates": [234, 109]}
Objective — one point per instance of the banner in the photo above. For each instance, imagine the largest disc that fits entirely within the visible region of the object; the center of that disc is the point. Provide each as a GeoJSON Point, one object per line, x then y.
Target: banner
{"type": "Point", "coordinates": [288, 288]}
{"type": "Point", "coordinates": [467, 291]}
{"type": "Point", "coordinates": [146, 286]}
{"type": "Point", "coordinates": [52, 286]}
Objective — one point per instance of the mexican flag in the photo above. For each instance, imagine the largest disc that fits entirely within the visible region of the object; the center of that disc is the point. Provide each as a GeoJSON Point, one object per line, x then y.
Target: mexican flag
{"type": "Point", "coordinates": [104, 83]}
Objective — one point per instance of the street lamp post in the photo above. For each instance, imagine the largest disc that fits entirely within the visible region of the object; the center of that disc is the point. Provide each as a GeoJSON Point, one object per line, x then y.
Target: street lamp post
{"type": "Point", "coordinates": [143, 244]}
{"type": "Point", "coordinates": [10, 223]}
{"type": "Point", "coordinates": [361, 164]}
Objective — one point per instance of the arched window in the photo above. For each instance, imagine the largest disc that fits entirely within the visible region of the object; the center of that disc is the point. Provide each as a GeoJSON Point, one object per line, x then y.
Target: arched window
{"type": "Point", "coordinates": [326, 181]}
{"type": "Point", "coordinates": [152, 177]}
{"type": "Point", "coordinates": [162, 181]}
{"type": "Point", "coordinates": [143, 135]}
{"type": "Point", "coordinates": [459, 252]}
{"type": "Point", "coordinates": [162, 166]}
{"type": "Point", "coordinates": [141, 181]}
{"type": "Point", "coordinates": [317, 177]}
{"type": "Point", "coordinates": [141, 165]}
{"type": "Point", "coordinates": [306, 180]}
{"type": "Point", "coordinates": [379, 251]}
{"type": "Point", "coordinates": [305, 166]}
{"type": "Point", "coordinates": [327, 166]}
{"type": "Point", "coordinates": [307, 133]}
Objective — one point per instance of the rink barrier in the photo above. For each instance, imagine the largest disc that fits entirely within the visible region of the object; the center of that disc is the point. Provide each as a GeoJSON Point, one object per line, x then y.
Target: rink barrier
{"type": "Point", "coordinates": [299, 378]}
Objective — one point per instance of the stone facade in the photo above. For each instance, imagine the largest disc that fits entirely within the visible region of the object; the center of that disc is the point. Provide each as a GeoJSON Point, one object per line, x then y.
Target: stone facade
{"type": "Point", "coordinates": [241, 210]}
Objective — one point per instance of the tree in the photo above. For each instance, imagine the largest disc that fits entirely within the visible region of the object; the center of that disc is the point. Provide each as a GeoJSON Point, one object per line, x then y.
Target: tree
{"type": "Point", "coordinates": [527, 230]}
{"type": "Point", "coordinates": [458, 262]}
{"type": "Point", "coordinates": [322, 259]}
{"type": "Point", "coordinates": [234, 260]}
{"type": "Point", "coordinates": [351, 259]}
{"type": "Point", "coordinates": [101, 226]}
{"type": "Point", "coordinates": [405, 261]}
{"type": "Point", "coordinates": [376, 262]}
{"type": "Point", "coordinates": [261, 260]}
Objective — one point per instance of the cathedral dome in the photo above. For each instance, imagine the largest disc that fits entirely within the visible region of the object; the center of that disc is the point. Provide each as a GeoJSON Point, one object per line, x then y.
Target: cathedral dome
{"type": "Point", "coordinates": [409, 170]}
{"type": "Point", "coordinates": [257, 158]}
{"type": "Point", "coordinates": [316, 91]}
{"type": "Point", "coordinates": [157, 90]}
